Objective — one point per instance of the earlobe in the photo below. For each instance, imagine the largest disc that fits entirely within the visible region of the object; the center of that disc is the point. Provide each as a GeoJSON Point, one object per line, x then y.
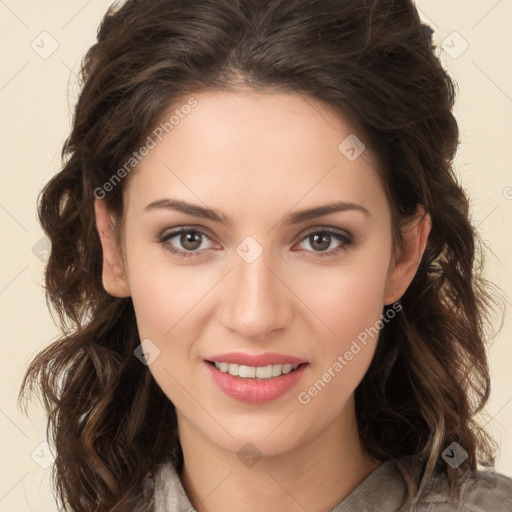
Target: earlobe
{"type": "Point", "coordinates": [113, 270]}
{"type": "Point", "coordinates": [403, 268]}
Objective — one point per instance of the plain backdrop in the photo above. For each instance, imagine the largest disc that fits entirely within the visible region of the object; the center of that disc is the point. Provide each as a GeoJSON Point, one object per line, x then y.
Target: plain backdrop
{"type": "Point", "coordinates": [43, 43]}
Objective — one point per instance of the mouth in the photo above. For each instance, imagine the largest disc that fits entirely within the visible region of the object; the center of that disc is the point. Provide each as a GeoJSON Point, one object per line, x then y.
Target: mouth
{"type": "Point", "coordinates": [269, 371]}
{"type": "Point", "coordinates": [255, 384]}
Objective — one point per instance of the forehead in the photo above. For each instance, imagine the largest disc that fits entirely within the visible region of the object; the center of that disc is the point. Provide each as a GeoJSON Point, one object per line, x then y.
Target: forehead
{"type": "Point", "coordinates": [259, 150]}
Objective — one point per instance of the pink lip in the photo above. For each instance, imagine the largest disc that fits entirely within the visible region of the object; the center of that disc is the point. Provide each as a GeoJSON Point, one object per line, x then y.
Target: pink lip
{"type": "Point", "coordinates": [255, 360]}
{"type": "Point", "coordinates": [255, 391]}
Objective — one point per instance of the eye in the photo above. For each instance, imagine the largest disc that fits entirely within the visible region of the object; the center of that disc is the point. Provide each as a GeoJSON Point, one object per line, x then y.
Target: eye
{"type": "Point", "coordinates": [321, 240]}
{"type": "Point", "coordinates": [189, 238]}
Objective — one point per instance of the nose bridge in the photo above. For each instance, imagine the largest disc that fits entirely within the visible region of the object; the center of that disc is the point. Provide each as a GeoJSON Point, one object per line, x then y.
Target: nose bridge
{"type": "Point", "coordinates": [257, 301]}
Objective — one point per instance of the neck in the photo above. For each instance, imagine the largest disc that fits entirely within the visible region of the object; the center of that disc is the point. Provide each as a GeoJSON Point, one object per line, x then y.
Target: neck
{"type": "Point", "coordinates": [315, 476]}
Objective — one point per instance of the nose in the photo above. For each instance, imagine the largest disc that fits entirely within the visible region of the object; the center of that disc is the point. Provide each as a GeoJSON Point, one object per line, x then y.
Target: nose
{"type": "Point", "coordinates": [257, 301]}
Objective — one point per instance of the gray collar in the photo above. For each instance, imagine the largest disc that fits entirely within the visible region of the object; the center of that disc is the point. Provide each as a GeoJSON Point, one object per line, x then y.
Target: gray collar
{"type": "Point", "coordinates": [384, 481]}
{"type": "Point", "coordinates": [385, 489]}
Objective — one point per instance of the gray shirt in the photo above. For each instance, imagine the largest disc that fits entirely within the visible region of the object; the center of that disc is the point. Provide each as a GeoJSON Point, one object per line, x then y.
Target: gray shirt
{"type": "Point", "coordinates": [383, 490]}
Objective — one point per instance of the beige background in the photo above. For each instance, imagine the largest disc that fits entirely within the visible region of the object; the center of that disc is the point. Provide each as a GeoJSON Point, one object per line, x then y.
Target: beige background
{"type": "Point", "coordinates": [37, 91]}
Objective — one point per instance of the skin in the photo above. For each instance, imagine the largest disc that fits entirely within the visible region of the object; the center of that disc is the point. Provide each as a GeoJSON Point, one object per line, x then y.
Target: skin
{"type": "Point", "coordinates": [257, 157]}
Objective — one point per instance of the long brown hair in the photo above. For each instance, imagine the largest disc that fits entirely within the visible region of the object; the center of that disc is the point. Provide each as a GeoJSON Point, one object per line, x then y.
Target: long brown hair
{"type": "Point", "coordinates": [375, 63]}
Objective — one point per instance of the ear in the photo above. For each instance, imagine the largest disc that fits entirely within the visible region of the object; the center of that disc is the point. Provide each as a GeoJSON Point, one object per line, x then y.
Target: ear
{"type": "Point", "coordinates": [114, 274]}
{"type": "Point", "coordinates": [405, 264]}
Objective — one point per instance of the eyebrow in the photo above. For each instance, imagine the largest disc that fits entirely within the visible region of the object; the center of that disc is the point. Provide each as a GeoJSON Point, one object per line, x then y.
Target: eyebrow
{"type": "Point", "coordinates": [293, 218]}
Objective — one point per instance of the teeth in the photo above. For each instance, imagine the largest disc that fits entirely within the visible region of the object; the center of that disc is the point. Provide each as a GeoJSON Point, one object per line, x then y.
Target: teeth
{"type": "Point", "coordinates": [259, 372]}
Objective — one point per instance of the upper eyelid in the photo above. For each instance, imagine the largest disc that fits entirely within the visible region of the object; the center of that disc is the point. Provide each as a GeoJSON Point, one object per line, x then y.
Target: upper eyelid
{"type": "Point", "coordinates": [172, 232]}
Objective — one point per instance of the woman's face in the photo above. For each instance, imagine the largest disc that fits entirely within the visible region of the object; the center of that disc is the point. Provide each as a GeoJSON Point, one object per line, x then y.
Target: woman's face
{"type": "Point", "coordinates": [258, 276]}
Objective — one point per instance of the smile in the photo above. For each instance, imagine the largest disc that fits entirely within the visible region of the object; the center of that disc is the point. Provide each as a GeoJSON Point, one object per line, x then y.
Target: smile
{"type": "Point", "coordinates": [244, 384]}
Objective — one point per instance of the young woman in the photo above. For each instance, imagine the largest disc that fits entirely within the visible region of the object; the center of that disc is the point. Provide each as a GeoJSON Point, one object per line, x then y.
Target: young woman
{"type": "Point", "coordinates": [264, 268]}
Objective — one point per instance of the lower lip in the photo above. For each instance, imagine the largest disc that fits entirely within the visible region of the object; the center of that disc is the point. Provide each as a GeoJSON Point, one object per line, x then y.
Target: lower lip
{"type": "Point", "coordinates": [255, 391]}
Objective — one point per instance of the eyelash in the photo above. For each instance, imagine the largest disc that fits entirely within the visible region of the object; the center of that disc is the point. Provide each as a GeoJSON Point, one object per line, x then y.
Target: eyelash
{"type": "Point", "coordinates": [347, 241]}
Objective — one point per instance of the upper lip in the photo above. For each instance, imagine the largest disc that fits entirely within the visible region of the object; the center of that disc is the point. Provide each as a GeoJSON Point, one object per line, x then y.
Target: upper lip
{"type": "Point", "coordinates": [264, 359]}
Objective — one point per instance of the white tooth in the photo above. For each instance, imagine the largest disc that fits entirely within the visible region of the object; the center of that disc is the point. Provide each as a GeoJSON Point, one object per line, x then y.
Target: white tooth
{"type": "Point", "coordinates": [251, 372]}
{"type": "Point", "coordinates": [247, 371]}
{"type": "Point", "coordinates": [276, 370]}
{"type": "Point", "coordinates": [287, 368]}
{"type": "Point", "coordinates": [233, 369]}
{"type": "Point", "coordinates": [264, 372]}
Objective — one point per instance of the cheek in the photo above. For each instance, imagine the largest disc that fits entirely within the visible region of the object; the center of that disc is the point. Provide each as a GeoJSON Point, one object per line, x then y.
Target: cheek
{"type": "Point", "coordinates": [352, 310]}
{"type": "Point", "coordinates": [161, 300]}
{"type": "Point", "coordinates": [164, 308]}
{"type": "Point", "coordinates": [357, 303]}
{"type": "Point", "coordinates": [348, 298]}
